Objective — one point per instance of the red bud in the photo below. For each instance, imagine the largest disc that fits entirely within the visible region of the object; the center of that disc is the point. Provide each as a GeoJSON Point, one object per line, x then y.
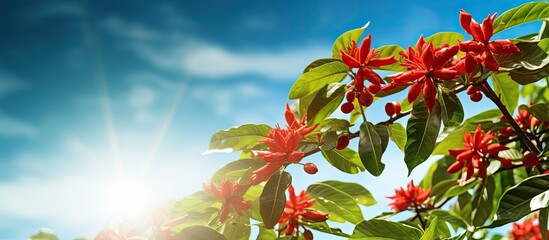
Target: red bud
{"type": "Point", "coordinates": [310, 168]}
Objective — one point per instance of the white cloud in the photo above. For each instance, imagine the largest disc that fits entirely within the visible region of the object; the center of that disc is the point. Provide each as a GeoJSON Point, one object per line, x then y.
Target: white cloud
{"type": "Point", "coordinates": [142, 96]}
{"type": "Point", "coordinates": [222, 100]}
{"type": "Point", "coordinates": [13, 127]}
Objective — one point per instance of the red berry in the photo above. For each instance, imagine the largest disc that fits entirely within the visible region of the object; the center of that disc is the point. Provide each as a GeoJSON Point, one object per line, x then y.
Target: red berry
{"type": "Point", "coordinates": [310, 168]}
{"type": "Point", "coordinates": [307, 234]}
{"type": "Point", "coordinates": [342, 142]}
{"type": "Point", "coordinates": [350, 96]}
{"type": "Point", "coordinates": [392, 108]}
{"type": "Point", "coordinates": [471, 89]}
{"type": "Point", "coordinates": [475, 97]}
{"type": "Point", "coordinates": [374, 88]}
{"type": "Point", "coordinates": [365, 99]}
{"type": "Point", "coordinates": [530, 160]}
{"type": "Point", "coordinates": [347, 107]}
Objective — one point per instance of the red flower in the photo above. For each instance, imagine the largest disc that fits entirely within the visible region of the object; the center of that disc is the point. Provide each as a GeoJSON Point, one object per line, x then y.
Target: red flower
{"type": "Point", "coordinates": [528, 230]}
{"type": "Point", "coordinates": [412, 197]}
{"type": "Point", "coordinates": [228, 193]}
{"type": "Point", "coordinates": [364, 58]}
{"type": "Point", "coordinates": [426, 66]}
{"type": "Point", "coordinates": [475, 153]}
{"type": "Point", "coordinates": [282, 144]}
{"type": "Point", "coordinates": [297, 209]}
{"type": "Point", "coordinates": [526, 122]}
{"type": "Point", "coordinates": [480, 44]}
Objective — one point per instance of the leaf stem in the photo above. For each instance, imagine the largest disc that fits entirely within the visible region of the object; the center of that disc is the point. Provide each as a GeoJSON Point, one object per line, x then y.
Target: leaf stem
{"type": "Point", "coordinates": [418, 214]}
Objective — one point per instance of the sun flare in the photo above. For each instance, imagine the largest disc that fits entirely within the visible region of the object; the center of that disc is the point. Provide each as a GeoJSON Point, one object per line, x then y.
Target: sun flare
{"type": "Point", "coordinates": [127, 198]}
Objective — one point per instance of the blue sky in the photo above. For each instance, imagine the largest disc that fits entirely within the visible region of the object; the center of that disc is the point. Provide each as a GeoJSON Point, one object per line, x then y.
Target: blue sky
{"type": "Point", "coordinates": [94, 93]}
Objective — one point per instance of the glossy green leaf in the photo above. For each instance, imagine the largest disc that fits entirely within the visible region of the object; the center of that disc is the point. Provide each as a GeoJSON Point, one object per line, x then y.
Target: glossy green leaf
{"type": "Point", "coordinates": [358, 192]}
{"type": "Point", "coordinates": [325, 228]}
{"type": "Point", "coordinates": [200, 233]}
{"type": "Point", "coordinates": [237, 138]}
{"type": "Point", "coordinates": [334, 124]}
{"type": "Point", "coordinates": [522, 14]}
{"type": "Point", "coordinates": [346, 160]}
{"type": "Point", "coordinates": [457, 190]}
{"type": "Point", "coordinates": [329, 141]}
{"type": "Point", "coordinates": [317, 78]}
{"type": "Point", "coordinates": [273, 198]}
{"type": "Point", "coordinates": [439, 189]}
{"type": "Point", "coordinates": [449, 217]}
{"type": "Point", "coordinates": [397, 133]}
{"type": "Point", "coordinates": [383, 133]}
{"type": "Point", "coordinates": [431, 231]}
{"type": "Point", "coordinates": [377, 229]}
{"type": "Point", "coordinates": [488, 115]}
{"type": "Point", "coordinates": [238, 229]}
{"type": "Point", "coordinates": [320, 62]}
{"type": "Point", "coordinates": [507, 90]}
{"type": "Point", "coordinates": [345, 39]}
{"type": "Point", "coordinates": [370, 149]}
{"type": "Point", "coordinates": [440, 38]}
{"type": "Point", "coordinates": [44, 234]}
{"type": "Point", "coordinates": [482, 201]}
{"type": "Point", "coordinates": [336, 202]}
{"type": "Point", "coordinates": [528, 196]}
{"type": "Point", "coordinates": [238, 165]}
{"type": "Point", "coordinates": [453, 139]}
{"type": "Point", "coordinates": [391, 50]}
{"type": "Point", "coordinates": [325, 102]}
{"type": "Point", "coordinates": [422, 131]}
{"type": "Point", "coordinates": [451, 109]}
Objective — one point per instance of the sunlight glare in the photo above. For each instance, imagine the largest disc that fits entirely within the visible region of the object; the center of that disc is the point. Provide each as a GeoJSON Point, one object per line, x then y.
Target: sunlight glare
{"type": "Point", "coordinates": [127, 198]}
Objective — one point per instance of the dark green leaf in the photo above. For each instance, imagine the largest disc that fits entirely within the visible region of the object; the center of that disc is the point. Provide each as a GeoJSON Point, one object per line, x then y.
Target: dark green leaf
{"type": "Point", "coordinates": [320, 62]}
{"type": "Point", "coordinates": [383, 133]}
{"type": "Point", "coordinates": [440, 38]}
{"type": "Point", "coordinates": [438, 172]}
{"type": "Point", "coordinates": [345, 39]}
{"type": "Point", "coordinates": [431, 231]}
{"type": "Point", "coordinates": [528, 196]}
{"type": "Point", "coordinates": [345, 160]}
{"type": "Point", "coordinates": [238, 138]}
{"type": "Point", "coordinates": [329, 141]}
{"type": "Point", "coordinates": [273, 198]}
{"type": "Point", "coordinates": [451, 108]}
{"type": "Point", "coordinates": [336, 202]}
{"type": "Point", "coordinates": [397, 133]}
{"type": "Point", "coordinates": [317, 78]}
{"type": "Point", "coordinates": [357, 191]}
{"type": "Point", "coordinates": [522, 14]}
{"type": "Point", "coordinates": [369, 149]}
{"type": "Point", "coordinates": [482, 201]}
{"type": "Point", "coordinates": [422, 131]}
{"type": "Point", "coordinates": [325, 102]}
{"type": "Point", "coordinates": [200, 233]}
{"type": "Point", "coordinates": [507, 90]}
{"type": "Point", "coordinates": [377, 229]}
{"type": "Point", "coordinates": [446, 216]}
{"type": "Point", "coordinates": [391, 50]}
{"type": "Point", "coordinates": [543, 222]}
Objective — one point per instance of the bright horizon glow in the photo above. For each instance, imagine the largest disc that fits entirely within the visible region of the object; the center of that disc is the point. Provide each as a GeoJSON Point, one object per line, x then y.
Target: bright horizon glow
{"type": "Point", "coordinates": [126, 198]}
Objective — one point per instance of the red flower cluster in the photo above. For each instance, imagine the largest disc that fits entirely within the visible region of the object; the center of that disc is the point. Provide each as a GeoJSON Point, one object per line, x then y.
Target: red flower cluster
{"type": "Point", "coordinates": [363, 58]}
{"type": "Point", "coordinates": [475, 153]}
{"type": "Point", "coordinates": [526, 122]}
{"type": "Point", "coordinates": [426, 65]}
{"type": "Point", "coordinates": [480, 46]}
{"type": "Point", "coordinates": [228, 193]}
{"type": "Point", "coordinates": [412, 197]}
{"type": "Point", "coordinates": [282, 144]}
{"type": "Point", "coordinates": [297, 208]}
{"type": "Point", "coordinates": [528, 230]}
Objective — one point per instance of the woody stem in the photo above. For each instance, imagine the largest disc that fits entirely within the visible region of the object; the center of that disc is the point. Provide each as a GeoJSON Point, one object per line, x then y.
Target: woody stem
{"type": "Point", "coordinates": [487, 90]}
{"type": "Point", "coordinates": [418, 212]}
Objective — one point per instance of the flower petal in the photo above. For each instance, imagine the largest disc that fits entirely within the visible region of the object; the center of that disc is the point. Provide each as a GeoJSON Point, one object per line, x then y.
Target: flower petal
{"type": "Point", "coordinates": [503, 47]}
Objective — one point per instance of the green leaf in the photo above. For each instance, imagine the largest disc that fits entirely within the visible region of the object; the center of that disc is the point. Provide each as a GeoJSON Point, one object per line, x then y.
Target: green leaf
{"type": "Point", "coordinates": [391, 50]}
{"type": "Point", "coordinates": [397, 133]}
{"type": "Point", "coordinates": [357, 191]}
{"type": "Point", "coordinates": [320, 62]}
{"type": "Point", "coordinates": [329, 141]}
{"type": "Point", "coordinates": [528, 196]}
{"type": "Point", "coordinates": [325, 102]}
{"type": "Point", "coordinates": [238, 138]}
{"type": "Point", "coordinates": [440, 188]}
{"type": "Point", "coordinates": [369, 149]}
{"type": "Point", "coordinates": [449, 217]}
{"type": "Point", "coordinates": [454, 139]}
{"type": "Point", "coordinates": [336, 202]}
{"type": "Point", "coordinates": [377, 229]}
{"type": "Point", "coordinates": [522, 14]}
{"type": "Point", "coordinates": [273, 199]}
{"type": "Point", "coordinates": [482, 201]}
{"type": "Point", "coordinates": [343, 41]}
{"type": "Point", "coordinates": [488, 115]}
{"type": "Point", "coordinates": [325, 228]}
{"type": "Point", "coordinates": [383, 133]}
{"type": "Point", "coordinates": [431, 231]}
{"type": "Point", "coordinates": [539, 110]}
{"type": "Point", "coordinates": [438, 172]}
{"type": "Point", "coordinates": [422, 131]}
{"type": "Point", "coordinates": [345, 160]}
{"type": "Point", "coordinates": [528, 66]}
{"type": "Point", "coordinates": [197, 202]}
{"type": "Point", "coordinates": [236, 166]}
{"type": "Point", "coordinates": [266, 234]}
{"type": "Point", "coordinates": [237, 230]}
{"type": "Point", "coordinates": [44, 234]}
{"type": "Point", "coordinates": [507, 90]}
{"type": "Point", "coordinates": [451, 108]}
{"type": "Point", "coordinates": [200, 233]}
{"type": "Point", "coordinates": [457, 190]}
{"type": "Point", "coordinates": [317, 78]}
{"type": "Point", "coordinates": [334, 124]}
{"type": "Point", "coordinates": [440, 38]}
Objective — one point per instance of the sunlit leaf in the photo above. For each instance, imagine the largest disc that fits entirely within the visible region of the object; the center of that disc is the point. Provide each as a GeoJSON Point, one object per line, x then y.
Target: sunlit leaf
{"type": "Point", "coordinates": [325, 102]}
{"type": "Point", "coordinates": [346, 160]}
{"type": "Point", "coordinates": [397, 133]}
{"type": "Point", "coordinates": [238, 138]}
{"type": "Point", "coordinates": [377, 229]}
{"type": "Point", "coordinates": [320, 62]}
{"type": "Point", "coordinates": [345, 39]}
{"type": "Point", "coordinates": [325, 228]}
{"type": "Point", "coordinates": [422, 131]}
{"type": "Point", "coordinates": [336, 202]}
{"type": "Point", "coordinates": [370, 149]}
{"type": "Point", "coordinates": [238, 165]}
{"type": "Point", "coordinates": [273, 198]}
{"type": "Point", "coordinates": [357, 191]}
{"type": "Point", "coordinates": [449, 217]}
{"type": "Point", "coordinates": [200, 233]}
{"type": "Point", "coordinates": [522, 14]}
{"type": "Point", "coordinates": [317, 78]}
{"type": "Point", "coordinates": [431, 231]}
{"type": "Point", "coordinates": [539, 110]}
{"type": "Point", "coordinates": [44, 234]}
{"type": "Point", "coordinates": [391, 50]}
{"type": "Point", "coordinates": [440, 38]}
{"type": "Point", "coordinates": [507, 90]}
{"type": "Point", "coordinates": [237, 230]}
